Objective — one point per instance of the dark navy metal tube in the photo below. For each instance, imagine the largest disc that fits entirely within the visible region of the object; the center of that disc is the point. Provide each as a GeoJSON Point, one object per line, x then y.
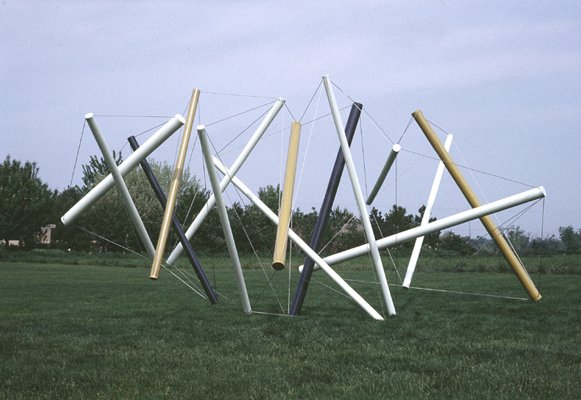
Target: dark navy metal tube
{"type": "Point", "coordinates": [210, 292]}
{"type": "Point", "coordinates": [325, 211]}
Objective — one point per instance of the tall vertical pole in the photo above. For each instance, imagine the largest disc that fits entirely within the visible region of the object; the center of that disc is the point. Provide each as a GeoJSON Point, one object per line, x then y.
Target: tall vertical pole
{"type": "Point", "coordinates": [194, 260]}
{"type": "Point", "coordinates": [174, 187]}
{"type": "Point", "coordinates": [426, 217]}
{"type": "Point", "coordinates": [276, 107]}
{"type": "Point", "coordinates": [375, 256]}
{"type": "Point", "coordinates": [226, 228]}
{"type": "Point", "coordinates": [325, 211]}
{"type": "Point", "coordinates": [285, 211]}
{"type": "Point", "coordinates": [470, 196]}
{"type": "Point", "coordinates": [121, 186]}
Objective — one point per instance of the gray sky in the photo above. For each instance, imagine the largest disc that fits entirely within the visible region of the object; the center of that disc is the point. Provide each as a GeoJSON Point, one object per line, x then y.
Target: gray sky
{"type": "Point", "coordinates": [504, 77]}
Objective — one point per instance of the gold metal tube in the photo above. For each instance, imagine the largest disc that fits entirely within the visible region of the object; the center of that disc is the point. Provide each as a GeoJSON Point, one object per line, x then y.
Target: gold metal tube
{"type": "Point", "coordinates": [175, 184]}
{"type": "Point", "coordinates": [468, 193]}
{"type": "Point", "coordinates": [284, 214]}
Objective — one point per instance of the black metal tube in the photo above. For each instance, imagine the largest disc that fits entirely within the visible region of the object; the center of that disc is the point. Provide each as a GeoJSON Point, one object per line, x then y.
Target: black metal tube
{"type": "Point", "coordinates": [210, 292]}
{"type": "Point", "coordinates": [325, 211]}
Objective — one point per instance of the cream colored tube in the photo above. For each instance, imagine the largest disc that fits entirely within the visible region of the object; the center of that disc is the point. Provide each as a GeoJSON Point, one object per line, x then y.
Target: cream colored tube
{"type": "Point", "coordinates": [276, 107]}
{"type": "Point", "coordinates": [284, 213]}
{"type": "Point", "coordinates": [174, 187]}
{"type": "Point", "coordinates": [469, 194]}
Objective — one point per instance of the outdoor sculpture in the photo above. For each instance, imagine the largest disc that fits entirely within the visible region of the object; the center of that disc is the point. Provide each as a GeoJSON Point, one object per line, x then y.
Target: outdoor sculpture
{"type": "Point", "coordinates": [284, 232]}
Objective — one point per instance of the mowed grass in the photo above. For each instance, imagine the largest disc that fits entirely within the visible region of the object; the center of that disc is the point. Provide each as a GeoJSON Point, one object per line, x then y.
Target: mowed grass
{"type": "Point", "coordinates": [90, 332]}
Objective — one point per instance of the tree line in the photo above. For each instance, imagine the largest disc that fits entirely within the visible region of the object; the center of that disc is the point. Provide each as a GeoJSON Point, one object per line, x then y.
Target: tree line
{"type": "Point", "coordinates": [27, 204]}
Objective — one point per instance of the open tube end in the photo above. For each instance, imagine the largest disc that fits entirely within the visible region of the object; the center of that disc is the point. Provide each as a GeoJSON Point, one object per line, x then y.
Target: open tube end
{"type": "Point", "coordinates": [542, 189]}
{"type": "Point", "coordinates": [278, 266]}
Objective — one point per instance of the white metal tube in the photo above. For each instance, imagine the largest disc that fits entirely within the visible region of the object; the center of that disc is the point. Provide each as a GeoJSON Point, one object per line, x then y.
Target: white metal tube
{"type": "Point", "coordinates": [126, 166]}
{"type": "Point", "coordinates": [444, 223]}
{"type": "Point", "coordinates": [226, 228]}
{"type": "Point", "coordinates": [426, 217]}
{"type": "Point", "coordinates": [302, 244]}
{"type": "Point", "coordinates": [121, 186]}
{"type": "Point", "coordinates": [395, 149]}
{"type": "Point", "coordinates": [226, 180]}
{"type": "Point", "coordinates": [374, 251]}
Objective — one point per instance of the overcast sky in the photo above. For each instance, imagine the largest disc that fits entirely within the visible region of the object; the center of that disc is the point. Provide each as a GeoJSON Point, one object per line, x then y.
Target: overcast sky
{"type": "Point", "coordinates": [504, 77]}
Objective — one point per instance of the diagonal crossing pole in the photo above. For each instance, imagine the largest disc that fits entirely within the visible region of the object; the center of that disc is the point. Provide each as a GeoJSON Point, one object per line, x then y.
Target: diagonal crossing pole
{"type": "Point", "coordinates": [324, 212]}
{"type": "Point", "coordinates": [303, 246]}
{"type": "Point", "coordinates": [121, 186]}
{"type": "Point", "coordinates": [374, 251]}
{"type": "Point", "coordinates": [195, 225]}
{"type": "Point", "coordinates": [126, 166]}
{"type": "Point", "coordinates": [224, 221]}
{"type": "Point", "coordinates": [174, 187]}
{"type": "Point", "coordinates": [194, 260]}
{"type": "Point", "coordinates": [470, 196]}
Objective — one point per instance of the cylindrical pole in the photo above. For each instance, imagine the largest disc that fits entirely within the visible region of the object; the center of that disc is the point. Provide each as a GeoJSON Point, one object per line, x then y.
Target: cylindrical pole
{"type": "Point", "coordinates": [190, 253]}
{"type": "Point", "coordinates": [444, 223]}
{"type": "Point", "coordinates": [223, 214]}
{"type": "Point", "coordinates": [226, 180]}
{"type": "Point", "coordinates": [121, 186]}
{"type": "Point", "coordinates": [325, 211]}
{"type": "Point", "coordinates": [126, 166]}
{"type": "Point", "coordinates": [426, 217]}
{"type": "Point", "coordinates": [174, 187]}
{"type": "Point", "coordinates": [299, 242]}
{"type": "Point", "coordinates": [470, 196]}
{"type": "Point", "coordinates": [376, 258]}
{"type": "Point", "coordinates": [395, 149]}
{"type": "Point", "coordinates": [284, 213]}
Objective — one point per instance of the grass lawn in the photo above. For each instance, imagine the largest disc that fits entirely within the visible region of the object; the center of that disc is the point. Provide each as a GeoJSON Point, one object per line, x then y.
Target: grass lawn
{"type": "Point", "coordinates": [89, 332]}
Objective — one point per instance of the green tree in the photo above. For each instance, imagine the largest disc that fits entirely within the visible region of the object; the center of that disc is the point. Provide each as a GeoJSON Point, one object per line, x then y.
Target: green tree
{"type": "Point", "coordinates": [260, 232]}
{"type": "Point", "coordinates": [303, 223]}
{"type": "Point", "coordinates": [571, 239]}
{"type": "Point", "coordinates": [96, 169]}
{"type": "Point", "coordinates": [25, 202]}
{"type": "Point", "coordinates": [456, 243]}
{"type": "Point", "coordinates": [432, 240]}
{"type": "Point", "coordinates": [344, 230]}
{"type": "Point", "coordinates": [547, 246]}
{"type": "Point", "coordinates": [395, 221]}
{"type": "Point", "coordinates": [108, 217]}
{"type": "Point", "coordinates": [253, 231]}
{"type": "Point", "coordinates": [519, 240]}
{"type": "Point", "coordinates": [66, 236]}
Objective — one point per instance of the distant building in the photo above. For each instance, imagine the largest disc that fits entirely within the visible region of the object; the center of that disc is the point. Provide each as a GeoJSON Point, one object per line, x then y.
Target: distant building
{"type": "Point", "coordinates": [45, 235]}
